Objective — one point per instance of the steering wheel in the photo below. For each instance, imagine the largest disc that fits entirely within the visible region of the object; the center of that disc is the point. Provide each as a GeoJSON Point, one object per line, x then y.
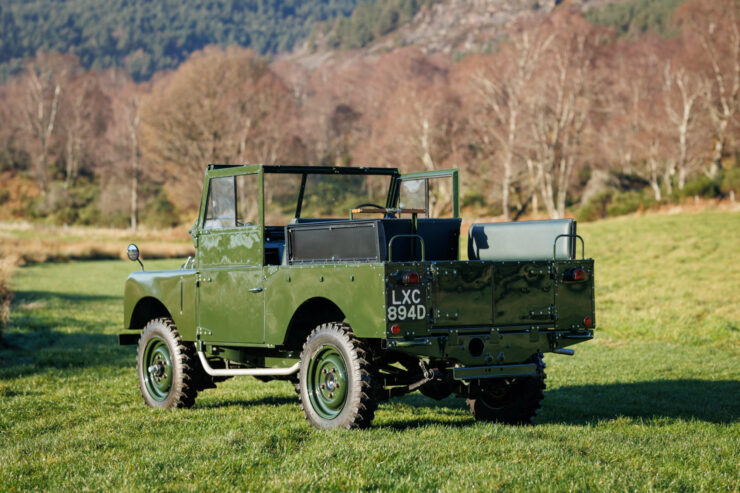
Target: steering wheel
{"type": "Point", "coordinates": [388, 215]}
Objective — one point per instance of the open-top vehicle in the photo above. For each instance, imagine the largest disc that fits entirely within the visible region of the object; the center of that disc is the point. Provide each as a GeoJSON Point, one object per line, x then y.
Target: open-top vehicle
{"type": "Point", "coordinates": [348, 283]}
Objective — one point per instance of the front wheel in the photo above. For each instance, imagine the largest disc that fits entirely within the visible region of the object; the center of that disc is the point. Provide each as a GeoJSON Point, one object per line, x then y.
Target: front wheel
{"type": "Point", "coordinates": [335, 380]}
{"type": "Point", "coordinates": [166, 366]}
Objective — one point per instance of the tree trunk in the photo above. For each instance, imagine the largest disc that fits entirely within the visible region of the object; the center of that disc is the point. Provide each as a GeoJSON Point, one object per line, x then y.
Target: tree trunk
{"type": "Point", "coordinates": [670, 170]}
{"type": "Point", "coordinates": [654, 179]}
{"type": "Point", "coordinates": [533, 186]}
{"type": "Point", "coordinates": [719, 149]}
{"type": "Point", "coordinates": [135, 199]}
{"type": "Point", "coordinates": [133, 127]}
{"type": "Point", "coordinates": [683, 153]}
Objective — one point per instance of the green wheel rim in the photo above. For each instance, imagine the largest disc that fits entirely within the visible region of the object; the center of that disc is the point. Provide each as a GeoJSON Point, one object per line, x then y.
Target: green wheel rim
{"type": "Point", "coordinates": [157, 369]}
{"type": "Point", "coordinates": [327, 382]}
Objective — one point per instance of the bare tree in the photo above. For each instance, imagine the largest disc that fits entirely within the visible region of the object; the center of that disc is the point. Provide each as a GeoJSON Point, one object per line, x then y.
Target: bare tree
{"type": "Point", "coordinates": [501, 84]}
{"type": "Point", "coordinates": [712, 34]}
{"type": "Point", "coordinates": [122, 143]}
{"type": "Point", "coordinates": [131, 116]}
{"type": "Point", "coordinates": [413, 121]}
{"type": "Point", "coordinates": [682, 89]}
{"type": "Point", "coordinates": [218, 107]}
{"type": "Point", "coordinates": [634, 127]}
{"type": "Point", "coordinates": [425, 128]}
{"type": "Point", "coordinates": [559, 106]}
{"type": "Point", "coordinates": [83, 118]}
{"type": "Point", "coordinates": [41, 89]}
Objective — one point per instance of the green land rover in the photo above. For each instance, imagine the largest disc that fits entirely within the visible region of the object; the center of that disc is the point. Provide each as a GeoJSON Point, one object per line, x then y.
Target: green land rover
{"type": "Point", "coordinates": [348, 283]}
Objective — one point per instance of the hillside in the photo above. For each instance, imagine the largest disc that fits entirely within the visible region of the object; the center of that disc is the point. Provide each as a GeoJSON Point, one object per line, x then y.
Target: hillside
{"type": "Point", "coordinates": [145, 36]}
{"type": "Point", "coordinates": [459, 26]}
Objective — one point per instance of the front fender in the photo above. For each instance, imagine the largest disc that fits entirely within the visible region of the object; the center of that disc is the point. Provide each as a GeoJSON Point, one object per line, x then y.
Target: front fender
{"type": "Point", "coordinates": [172, 289]}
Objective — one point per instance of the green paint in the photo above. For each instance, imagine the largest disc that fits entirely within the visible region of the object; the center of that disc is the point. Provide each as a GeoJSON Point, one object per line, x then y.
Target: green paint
{"type": "Point", "coordinates": [157, 369]}
{"type": "Point", "coordinates": [327, 382]}
{"type": "Point", "coordinates": [473, 314]}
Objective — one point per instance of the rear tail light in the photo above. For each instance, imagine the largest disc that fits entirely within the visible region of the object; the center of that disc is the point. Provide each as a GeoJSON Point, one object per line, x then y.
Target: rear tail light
{"type": "Point", "coordinates": [410, 277]}
{"type": "Point", "coordinates": [395, 329]}
{"type": "Point", "coordinates": [576, 274]}
{"type": "Point", "coordinates": [588, 322]}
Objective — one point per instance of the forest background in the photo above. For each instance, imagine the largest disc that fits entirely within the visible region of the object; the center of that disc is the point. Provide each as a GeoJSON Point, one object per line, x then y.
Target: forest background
{"type": "Point", "coordinates": [109, 111]}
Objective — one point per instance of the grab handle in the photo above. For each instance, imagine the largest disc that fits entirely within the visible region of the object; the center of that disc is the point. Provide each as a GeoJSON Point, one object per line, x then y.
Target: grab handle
{"type": "Point", "coordinates": [555, 244]}
{"type": "Point", "coordinates": [390, 244]}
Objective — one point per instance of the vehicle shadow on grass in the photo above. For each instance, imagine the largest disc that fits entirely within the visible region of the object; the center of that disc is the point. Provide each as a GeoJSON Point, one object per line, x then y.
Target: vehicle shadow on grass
{"type": "Point", "coordinates": [686, 399]}
{"type": "Point", "coordinates": [713, 401]}
{"type": "Point", "coordinates": [275, 401]}
{"type": "Point", "coordinates": [21, 297]}
{"type": "Point", "coordinates": [37, 340]}
{"type": "Point", "coordinates": [42, 350]}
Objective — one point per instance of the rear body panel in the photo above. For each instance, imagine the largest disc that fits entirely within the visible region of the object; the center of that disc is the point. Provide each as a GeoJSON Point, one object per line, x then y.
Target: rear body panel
{"type": "Point", "coordinates": [356, 289]}
{"type": "Point", "coordinates": [485, 312]}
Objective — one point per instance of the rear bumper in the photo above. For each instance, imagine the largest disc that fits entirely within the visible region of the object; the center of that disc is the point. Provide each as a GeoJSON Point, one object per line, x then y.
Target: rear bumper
{"type": "Point", "coordinates": [481, 347]}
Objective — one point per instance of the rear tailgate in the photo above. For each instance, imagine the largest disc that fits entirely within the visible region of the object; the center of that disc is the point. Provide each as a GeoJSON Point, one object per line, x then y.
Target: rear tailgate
{"type": "Point", "coordinates": [462, 294]}
{"type": "Point", "coordinates": [574, 299]}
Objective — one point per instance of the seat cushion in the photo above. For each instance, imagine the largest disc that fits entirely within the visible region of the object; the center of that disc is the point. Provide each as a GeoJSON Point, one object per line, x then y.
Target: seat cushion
{"type": "Point", "coordinates": [522, 240]}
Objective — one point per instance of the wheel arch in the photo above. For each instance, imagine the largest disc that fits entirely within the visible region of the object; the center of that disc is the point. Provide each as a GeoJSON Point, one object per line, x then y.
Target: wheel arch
{"type": "Point", "coordinates": [146, 309]}
{"type": "Point", "coordinates": [155, 294]}
{"type": "Point", "coordinates": [310, 314]}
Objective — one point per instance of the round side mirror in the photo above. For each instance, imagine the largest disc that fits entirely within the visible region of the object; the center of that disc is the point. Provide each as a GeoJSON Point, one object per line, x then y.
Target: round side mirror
{"type": "Point", "coordinates": [133, 252]}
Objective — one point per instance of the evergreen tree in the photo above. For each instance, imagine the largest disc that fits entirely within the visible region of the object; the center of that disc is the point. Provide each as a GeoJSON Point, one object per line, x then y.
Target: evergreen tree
{"type": "Point", "coordinates": [145, 36]}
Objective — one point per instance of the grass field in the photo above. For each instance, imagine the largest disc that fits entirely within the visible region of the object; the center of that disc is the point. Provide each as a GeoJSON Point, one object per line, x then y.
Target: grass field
{"type": "Point", "coordinates": [653, 403]}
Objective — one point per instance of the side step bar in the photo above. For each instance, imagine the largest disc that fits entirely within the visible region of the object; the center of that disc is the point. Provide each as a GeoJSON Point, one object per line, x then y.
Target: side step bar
{"type": "Point", "coordinates": [249, 372]}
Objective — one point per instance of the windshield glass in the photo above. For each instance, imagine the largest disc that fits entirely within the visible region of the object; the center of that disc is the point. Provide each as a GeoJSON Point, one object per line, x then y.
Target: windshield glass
{"type": "Point", "coordinates": [281, 197]}
{"type": "Point", "coordinates": [332, 196]}
{"type": "Point", "coordinates": [326, 196]}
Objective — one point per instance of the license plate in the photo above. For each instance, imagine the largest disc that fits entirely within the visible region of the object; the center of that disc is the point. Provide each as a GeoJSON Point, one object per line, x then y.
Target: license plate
{"type": "Point", "coordinates": [406, 303]}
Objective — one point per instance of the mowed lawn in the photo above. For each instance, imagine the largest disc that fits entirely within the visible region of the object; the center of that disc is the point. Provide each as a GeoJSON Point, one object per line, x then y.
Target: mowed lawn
{"type": "Point", "coordinates": [653, 403]}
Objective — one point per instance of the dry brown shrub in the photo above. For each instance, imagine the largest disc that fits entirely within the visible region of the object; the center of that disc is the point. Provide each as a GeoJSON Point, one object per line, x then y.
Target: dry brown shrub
{"type": "Point", "coordinates": [35, 244]}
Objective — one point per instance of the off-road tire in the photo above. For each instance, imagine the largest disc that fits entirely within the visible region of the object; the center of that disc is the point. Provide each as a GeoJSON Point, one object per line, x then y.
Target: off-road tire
{"type": "Point", "coordinates": [514, 402]}
{"type": "Point", "coordinates": [328, 347]}
{"type": "Point", "coordinates": [178, 385]}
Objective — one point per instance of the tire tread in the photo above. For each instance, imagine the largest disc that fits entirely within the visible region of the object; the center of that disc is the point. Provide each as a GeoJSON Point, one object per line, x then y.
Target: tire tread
{"type": "Point", "coordinates": [362, 402]}
{"type": "Point", "coordinates": [184, 388]}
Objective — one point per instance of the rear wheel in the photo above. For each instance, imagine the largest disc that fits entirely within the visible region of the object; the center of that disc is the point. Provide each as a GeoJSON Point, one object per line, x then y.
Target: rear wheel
{"type": "Point", "coordinates": [438, 389]}
{"type": "Point", "coordinates": [335, 379]}
{"type": "Point", "coordinates": [166, 366]}
{"type": "Point", "coordinates": [513, 401]}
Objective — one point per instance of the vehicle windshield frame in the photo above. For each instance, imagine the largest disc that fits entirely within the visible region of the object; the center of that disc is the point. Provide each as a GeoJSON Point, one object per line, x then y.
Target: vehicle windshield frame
{"type": "Point", "coordinates": [304, 171]}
